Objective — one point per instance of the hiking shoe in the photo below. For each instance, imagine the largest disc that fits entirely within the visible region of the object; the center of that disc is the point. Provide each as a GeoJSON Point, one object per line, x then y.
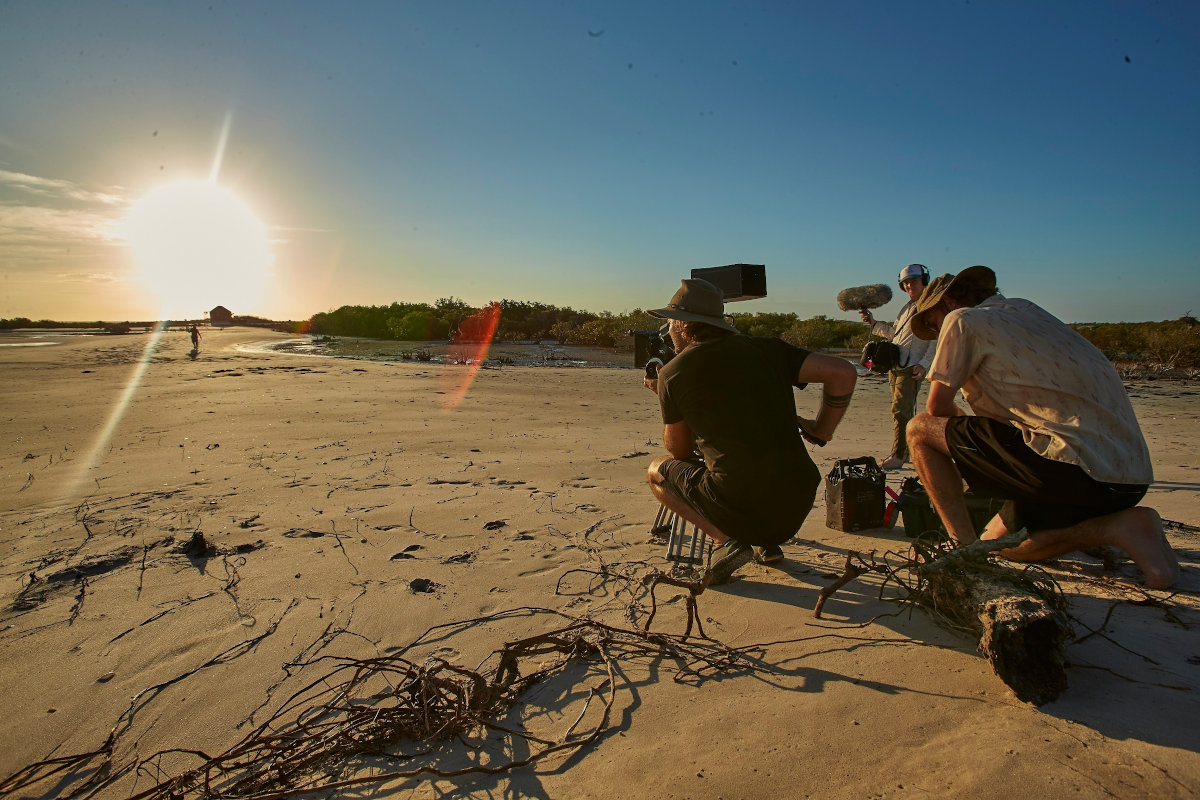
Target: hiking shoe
{"type": "Point", "coordinates": [771, 554]}
{"type": "Point", "coordinates": [732, 557]}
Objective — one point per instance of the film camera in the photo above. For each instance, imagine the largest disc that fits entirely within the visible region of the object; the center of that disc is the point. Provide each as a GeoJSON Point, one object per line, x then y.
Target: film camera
{"type": "Point", "coordinates": [652, 349]}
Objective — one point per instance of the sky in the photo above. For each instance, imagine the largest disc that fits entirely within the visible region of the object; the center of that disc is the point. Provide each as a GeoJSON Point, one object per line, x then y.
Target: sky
{"type": "Point", "coordinates": [590, 154]}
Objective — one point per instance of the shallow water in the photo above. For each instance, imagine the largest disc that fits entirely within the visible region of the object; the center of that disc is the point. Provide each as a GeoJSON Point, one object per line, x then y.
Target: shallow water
{"type": "Point", "coordinates": [441, 352]}
{"type": "Point", "coordinates": [40, 337]}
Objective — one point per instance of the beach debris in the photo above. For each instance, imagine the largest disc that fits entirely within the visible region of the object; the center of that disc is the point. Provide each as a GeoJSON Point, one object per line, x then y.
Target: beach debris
{"type": "Point", "coordinates": [407, 552]}
{"type": "Point", "coordinates": [423, 586]}
{"type": "Point", "coordinates": [302, 533]}
{"type": "Point", "coordinates": [41, 587]}
{"type": "Point", "coordinates": [198, 546]}
{"type": "Point", "coordinates": [494, 525]}
{"type": "Point", "coordinates": [389, 710]}
{"type": "Point", "coordinates": [106, 677]}
{"type": "Point", "coordinates": [1018, 615]}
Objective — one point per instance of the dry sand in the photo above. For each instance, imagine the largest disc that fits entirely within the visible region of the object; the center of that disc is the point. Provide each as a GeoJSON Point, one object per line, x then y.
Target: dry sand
{"type": "Point", "coordinates": [329, 486]}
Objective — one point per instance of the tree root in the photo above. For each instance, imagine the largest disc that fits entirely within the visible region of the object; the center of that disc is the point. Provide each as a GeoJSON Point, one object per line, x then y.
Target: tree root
{"type": "Point", "coordinates": [373, 721]}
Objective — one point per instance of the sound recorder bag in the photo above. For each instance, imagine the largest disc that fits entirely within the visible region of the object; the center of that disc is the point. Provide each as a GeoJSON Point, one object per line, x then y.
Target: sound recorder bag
{"type": "Point", "coordinates": [880, 356]}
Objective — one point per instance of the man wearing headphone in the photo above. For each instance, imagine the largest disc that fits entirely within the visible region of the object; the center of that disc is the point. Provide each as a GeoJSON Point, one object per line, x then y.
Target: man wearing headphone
{"type": "Point", "coordinates": [915, 357]}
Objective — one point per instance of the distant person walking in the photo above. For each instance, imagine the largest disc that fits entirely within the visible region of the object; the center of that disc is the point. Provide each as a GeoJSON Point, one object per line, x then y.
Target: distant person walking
{"type": "Point", "coordinates": [915, 357]}
{"type": "Point", "coordinates": [195, 332]}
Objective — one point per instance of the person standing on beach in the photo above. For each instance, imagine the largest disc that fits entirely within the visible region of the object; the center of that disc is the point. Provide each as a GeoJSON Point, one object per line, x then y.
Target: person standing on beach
{"type": "Point", "coordinates": [1054, 433]}
{"type": "Point", "coordinates": [738, 468]}
{"type": "Point", "coordinates": [915, 355]}
{"type": "Point", "coordinates": [195, 332]}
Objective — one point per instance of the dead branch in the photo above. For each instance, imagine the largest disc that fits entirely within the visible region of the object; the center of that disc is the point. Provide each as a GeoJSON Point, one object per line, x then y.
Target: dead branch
{"type": "Point", "coordinates": [850, 572]}
{"type": "Point", "coordinates": [368, 712]}
{"type": "Point", "coordinates": [695, 589]}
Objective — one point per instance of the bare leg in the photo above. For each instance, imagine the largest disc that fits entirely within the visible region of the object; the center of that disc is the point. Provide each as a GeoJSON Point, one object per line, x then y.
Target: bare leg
{"type": "Point", "coordinates": [665, 495]}
{"type": "Point", "coordinates": [939, 475]}
{"type": "Point", "coordinates": [1138, 531]}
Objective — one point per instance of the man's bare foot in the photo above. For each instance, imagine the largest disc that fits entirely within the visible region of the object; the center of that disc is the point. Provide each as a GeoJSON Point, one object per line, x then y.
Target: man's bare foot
{"type": "Point", "coordinates": [1139, 532]}
{"type": "Point", "coordinates": [891, 463]}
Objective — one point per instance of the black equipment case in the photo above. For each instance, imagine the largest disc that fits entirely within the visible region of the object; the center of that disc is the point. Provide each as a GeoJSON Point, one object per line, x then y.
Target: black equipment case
{"type": "Point", "coordinates": [854, 497]}
{"type": "Point", "coordinates": [920, 520]}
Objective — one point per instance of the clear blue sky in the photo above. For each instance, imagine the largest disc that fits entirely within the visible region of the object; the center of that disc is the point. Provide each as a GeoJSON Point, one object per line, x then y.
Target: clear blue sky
{"type": "Point", "coordinates": [590, 154]}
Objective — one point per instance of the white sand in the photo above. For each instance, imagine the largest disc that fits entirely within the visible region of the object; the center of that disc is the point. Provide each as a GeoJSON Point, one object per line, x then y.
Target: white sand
{"type": "Point", "coordinates": [264, 451]}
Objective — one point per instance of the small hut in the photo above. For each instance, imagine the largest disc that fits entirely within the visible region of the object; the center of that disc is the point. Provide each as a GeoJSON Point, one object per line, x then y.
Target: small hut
{"type": "Point", "coordinates": [220, 316]}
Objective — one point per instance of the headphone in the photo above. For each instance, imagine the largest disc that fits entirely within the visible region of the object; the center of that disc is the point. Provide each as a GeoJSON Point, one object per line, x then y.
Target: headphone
{"type": "Point", "coordinates": [914, 271]}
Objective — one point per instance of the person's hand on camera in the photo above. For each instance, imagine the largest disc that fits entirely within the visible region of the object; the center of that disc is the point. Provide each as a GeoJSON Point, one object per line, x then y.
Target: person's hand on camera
{"type": "Point", "coordinates": [651, 383]}
{"type": "Point", "coordinates": [867, 316]}
{"type": "Point", "coordinates": [806, 425]}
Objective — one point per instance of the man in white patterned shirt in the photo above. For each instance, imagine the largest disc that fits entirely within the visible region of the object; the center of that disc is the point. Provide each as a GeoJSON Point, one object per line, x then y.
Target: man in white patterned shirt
{"type": "Point", "coordinates": [915, 355]}
{"type": "Point", "coordinates": [1053, 430]}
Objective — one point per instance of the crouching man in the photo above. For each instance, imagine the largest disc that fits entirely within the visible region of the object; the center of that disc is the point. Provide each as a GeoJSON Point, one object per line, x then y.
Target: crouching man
{"type": "Point", "coordinates": [1054, 433]}
{"type": "Point", "coordinates": [738, 468]}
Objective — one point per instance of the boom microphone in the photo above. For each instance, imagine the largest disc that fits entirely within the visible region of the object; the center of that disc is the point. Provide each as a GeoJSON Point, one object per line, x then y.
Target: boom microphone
{"type": "Point", "coordinates": [860, 298]}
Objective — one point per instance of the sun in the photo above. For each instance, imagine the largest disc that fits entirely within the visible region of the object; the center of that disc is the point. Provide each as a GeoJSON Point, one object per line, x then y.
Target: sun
{"type": "Point", "coordinates": [198, 245]}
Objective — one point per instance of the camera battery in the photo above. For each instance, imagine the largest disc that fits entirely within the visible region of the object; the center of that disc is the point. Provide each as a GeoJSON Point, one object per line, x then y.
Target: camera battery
{"type": "Point", "coordinates": [854, 495]}
{"type": "Point", "coordinates": [920, 519]}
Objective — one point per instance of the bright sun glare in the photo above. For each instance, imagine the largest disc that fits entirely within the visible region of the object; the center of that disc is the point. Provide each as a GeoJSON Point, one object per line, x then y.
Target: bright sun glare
{"type": "Point", "coordinates": [198, 245]}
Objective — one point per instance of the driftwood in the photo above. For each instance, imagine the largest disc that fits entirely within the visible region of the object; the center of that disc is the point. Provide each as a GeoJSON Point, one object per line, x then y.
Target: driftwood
{"type": "Point", "coordinates": [1018, 615]}
{"type": "Point", "coordinates": [1020, 620]}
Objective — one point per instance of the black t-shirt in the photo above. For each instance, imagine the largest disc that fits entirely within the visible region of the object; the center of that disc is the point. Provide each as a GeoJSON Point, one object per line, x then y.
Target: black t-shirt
{"type": "Point", "coordinates": [736, 396]}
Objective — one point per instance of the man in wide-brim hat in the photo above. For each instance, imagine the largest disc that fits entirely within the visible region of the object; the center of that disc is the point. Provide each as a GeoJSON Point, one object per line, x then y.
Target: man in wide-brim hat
{"type": "Point", "coordinates": [738, 468]}
{"type": "Point", "coordinates": [1053, 431]}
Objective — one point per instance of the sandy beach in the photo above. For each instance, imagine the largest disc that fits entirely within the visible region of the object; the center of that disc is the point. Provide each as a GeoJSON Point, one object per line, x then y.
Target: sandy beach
{"type": "Point", "coordinates": [349, 507]}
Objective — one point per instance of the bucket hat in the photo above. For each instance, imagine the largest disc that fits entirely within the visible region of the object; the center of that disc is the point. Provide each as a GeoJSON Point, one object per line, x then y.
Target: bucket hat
{"type": "Point", "coordinates": [978, 275]}
{"type": "Point", "coordinates": [696, 301]}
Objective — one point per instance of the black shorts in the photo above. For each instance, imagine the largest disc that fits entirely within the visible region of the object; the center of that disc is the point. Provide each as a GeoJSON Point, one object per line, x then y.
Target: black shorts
{"type": "Point", "coordinates": [769, 522]}
{"type": "Point", "coordinates": [1042, 494]}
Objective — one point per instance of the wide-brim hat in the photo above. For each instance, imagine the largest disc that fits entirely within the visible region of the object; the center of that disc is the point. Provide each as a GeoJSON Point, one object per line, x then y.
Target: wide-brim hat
{"type": "Point", "coordinates": [696, 301]}
{"type": "Point", "coordinates": [980, 276]}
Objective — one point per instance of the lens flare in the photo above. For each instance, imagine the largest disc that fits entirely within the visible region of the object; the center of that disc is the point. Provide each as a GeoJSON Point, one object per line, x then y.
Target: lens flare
{"type": "Point", "coordinates": [469, 348]}
{"type": "Point", "coordinates": [117, 413]}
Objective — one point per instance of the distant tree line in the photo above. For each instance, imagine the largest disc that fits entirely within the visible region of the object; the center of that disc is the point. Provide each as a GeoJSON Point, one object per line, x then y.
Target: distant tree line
{"type": "Point", "coordinates": [1160, 346]}
{"type": "Point", "coordinates": [538, 322]}
{"type": "Point", "coordinates": [26, 322]}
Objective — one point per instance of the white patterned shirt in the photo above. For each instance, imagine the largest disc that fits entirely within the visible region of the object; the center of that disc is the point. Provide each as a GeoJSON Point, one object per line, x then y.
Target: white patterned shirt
{"type": "Point", "coordinates": [1015, 361]}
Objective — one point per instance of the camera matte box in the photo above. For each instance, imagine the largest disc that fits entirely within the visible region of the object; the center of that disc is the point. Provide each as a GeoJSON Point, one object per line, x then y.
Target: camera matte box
{"type": "Point", "coordinates": [737, 281]}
